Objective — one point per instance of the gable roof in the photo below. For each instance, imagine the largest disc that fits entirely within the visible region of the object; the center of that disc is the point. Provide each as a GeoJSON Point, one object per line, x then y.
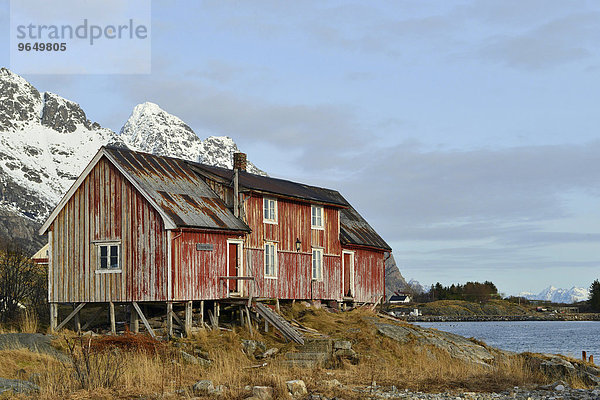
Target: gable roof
{"type": "Point", "coordinates": [177, 193]}
{"type": "Point", "coordinates": [354, 229]}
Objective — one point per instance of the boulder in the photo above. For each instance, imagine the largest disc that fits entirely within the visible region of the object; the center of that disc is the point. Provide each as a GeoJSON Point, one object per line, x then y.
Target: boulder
{"type": "Point", "coordinates": [252, 347]}
{"type": "Point", "coordinates": [269, 353]}
{"type": "Point", "coordinates": [342, 345]}
{"type": "Point", "coordinates": [203, 387]}
{"type": "Point", "coordinates": [17, 386]}
{"type": "Point", "coordinates": [297, 387]}
{"type": "Point", "coordinates": [262, 392]}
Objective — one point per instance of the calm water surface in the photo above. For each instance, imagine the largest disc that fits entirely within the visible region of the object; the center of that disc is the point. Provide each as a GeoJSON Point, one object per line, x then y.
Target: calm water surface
{"type": "Point", "coordinates": [561, 337]}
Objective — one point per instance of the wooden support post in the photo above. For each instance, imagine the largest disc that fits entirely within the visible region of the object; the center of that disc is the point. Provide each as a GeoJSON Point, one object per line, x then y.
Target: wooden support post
{"type": "Point", "coordinates": [216, 314]}
{"type": "Point", "coordinates": [188, 318]}
{"type": "Point", "coordinates": [583, 355]}
{"type": "Point", "coordinates": [266, 326]}
{"type": "Point", "coordinates": [134, 321]}
{"type": "Point", "coordinates": [591, 359]}
{"type": "Point", "coordinates": [144, 320]}
{"type": "Point", "coordinates": [277, 306]}
{"type": "Point", "coordinates": [75, 311]}
{"type": "Point", "coordinates": [77, 322]}
{"type": "Point", "coordinates": [113, 323]}
{"type": "Point", "coordinates": [53, 317]}
{"type": "Point", "coordinates": [202, 314]}
{"type": "Point", "coordinates": [169, 319]}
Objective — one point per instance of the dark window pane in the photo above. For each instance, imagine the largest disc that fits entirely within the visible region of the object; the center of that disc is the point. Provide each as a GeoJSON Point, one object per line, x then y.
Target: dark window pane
{"type": "Point", "coordinates": [114, 251]}
{"type": "Point", "coordinates": [103, 262]}
{"type": "Point", "coordinates": [103, 251]}
{"type": "Point", "coordinates": [114, 262]}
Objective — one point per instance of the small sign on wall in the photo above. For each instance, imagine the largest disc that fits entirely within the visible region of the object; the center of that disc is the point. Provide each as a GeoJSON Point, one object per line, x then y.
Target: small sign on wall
{"type": "Point", "coordinates": [204, 247]}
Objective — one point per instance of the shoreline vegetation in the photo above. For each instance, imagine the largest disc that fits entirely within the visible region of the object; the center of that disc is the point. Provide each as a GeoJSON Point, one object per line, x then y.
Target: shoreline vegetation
{"type": "Point", "coordinates": [349, 355]}
{"type": "Point", "coordinates": [491, 310]}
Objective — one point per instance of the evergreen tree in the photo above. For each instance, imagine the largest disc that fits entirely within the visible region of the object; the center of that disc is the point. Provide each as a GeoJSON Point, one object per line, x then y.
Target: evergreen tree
{"type": "Point", "coordinates": [595, 296]}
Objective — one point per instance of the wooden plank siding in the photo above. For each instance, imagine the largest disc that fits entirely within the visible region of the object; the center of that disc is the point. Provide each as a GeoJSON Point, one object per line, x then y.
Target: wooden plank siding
{"type": "Point", "coordinates": [196, 272]}
{"type": "Point", "coordinates": [369, 274]}
{"type": "Point", "coordinates": [107, 207]}
{"type": "Point", "coordinates": [294, 269]}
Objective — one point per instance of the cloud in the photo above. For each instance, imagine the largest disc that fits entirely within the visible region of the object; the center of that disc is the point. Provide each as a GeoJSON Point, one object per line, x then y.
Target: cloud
{"type": "Point", "coordinates": [563, 40]}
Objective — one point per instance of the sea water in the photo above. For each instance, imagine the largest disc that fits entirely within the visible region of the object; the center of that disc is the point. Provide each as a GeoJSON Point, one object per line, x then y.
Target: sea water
{"type": "Point", "coordinates": [557, 337]}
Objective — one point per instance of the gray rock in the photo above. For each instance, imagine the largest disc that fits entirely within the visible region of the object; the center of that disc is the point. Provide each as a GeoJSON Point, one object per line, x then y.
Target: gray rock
{"type": "Point", "coordinates": [203, 387]}
{"type": "Point", "coordinates": [269, 353]}
{"type": "Point", "coordinates": [262, 392]}
{"type": "Point", "coordinates": [251, 347]}
{"type": "Point", "coordinates": [342, 345]}
{"type": "Point", "coordinates": [17, 386]}
{"type": "Point", "coordinates": [297, 387]}
{"type": "Point", "coordinates": [188, 358]}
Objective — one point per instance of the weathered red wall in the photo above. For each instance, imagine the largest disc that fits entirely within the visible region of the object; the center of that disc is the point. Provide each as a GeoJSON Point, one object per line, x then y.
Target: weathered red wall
{"type": "Point", "coordinates": [196, 273]}
{"type": "Point", "coordinates": [369, 274]}
{"type": "Point", "coordinates": [107, 207]}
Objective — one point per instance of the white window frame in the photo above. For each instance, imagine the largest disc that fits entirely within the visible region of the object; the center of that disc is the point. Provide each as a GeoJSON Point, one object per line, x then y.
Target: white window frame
{"type": "Point", "coordinates": [312, 214]}
{"type": "Point", "coordinates": [270, 220]}
{"type": "Point", "coordinates": [240, 244]}
{"type": "Point", "coordinates": [271, 274]}
{"type": "Point", "coordinates": [317, 270]}
{"type": "Point", "coordinates": [108, 244]}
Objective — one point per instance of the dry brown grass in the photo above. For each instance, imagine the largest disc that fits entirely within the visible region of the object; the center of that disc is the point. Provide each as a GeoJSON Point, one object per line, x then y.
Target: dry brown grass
{"type": "Point", "coordinates": [154, 370]}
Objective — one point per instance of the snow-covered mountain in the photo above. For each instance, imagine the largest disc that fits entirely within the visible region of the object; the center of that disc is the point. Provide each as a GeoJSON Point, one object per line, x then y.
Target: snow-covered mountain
{"type": "Point", "coordinates": [557, 295]}
{"type": "Point", "coordinates": [46, 141]}
{"type": "Point", "coordinates": [153, 130]}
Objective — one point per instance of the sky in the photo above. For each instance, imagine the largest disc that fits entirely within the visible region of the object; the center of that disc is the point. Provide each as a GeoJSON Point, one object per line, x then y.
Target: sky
{"type": "Point", "coordinates": [465, 132]}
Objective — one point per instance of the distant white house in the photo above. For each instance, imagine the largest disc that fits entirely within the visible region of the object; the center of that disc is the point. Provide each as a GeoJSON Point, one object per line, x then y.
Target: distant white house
{"type": "Point", "coordinates": [400, 299]}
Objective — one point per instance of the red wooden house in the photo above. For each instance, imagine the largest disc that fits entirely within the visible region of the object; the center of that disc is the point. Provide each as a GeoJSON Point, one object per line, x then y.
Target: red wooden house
{"type": "Point", "coordinates": [136, 227]}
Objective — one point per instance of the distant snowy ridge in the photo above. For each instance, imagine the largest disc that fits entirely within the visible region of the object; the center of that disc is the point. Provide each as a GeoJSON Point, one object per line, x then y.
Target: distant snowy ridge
{"type": "Point", "coordinates": [46, 141]}
{"type": "Point", "coordinates": [557, 295]}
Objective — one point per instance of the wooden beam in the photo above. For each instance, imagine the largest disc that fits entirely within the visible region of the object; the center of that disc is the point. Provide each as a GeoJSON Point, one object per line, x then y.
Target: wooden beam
{"type": "Point", "coordinates": [249, 321]}
{"type": "Point", "coordinates": [188, 318]}
{"type": "Point", "coordinates": [113, 323]}
{"type": "Point", "coordinates": [75, 311]}
{"type": "Point", "coordinates": [144, 320]}
{"type": "Point", "coordinates": [169, 319]}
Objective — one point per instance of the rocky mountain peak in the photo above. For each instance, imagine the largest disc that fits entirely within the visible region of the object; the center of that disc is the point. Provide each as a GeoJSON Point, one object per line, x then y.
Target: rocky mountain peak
{"type": "Point", "coordinates": [20, 102]}
{"type": "Point", "coordinates": [64, 115]}
{"type": "Point", "coordinates": [153, 130]}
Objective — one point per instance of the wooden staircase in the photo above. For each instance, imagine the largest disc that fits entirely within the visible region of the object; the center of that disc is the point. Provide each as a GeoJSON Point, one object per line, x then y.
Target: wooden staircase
{"type": "Point", "coordinates": [277, 321]}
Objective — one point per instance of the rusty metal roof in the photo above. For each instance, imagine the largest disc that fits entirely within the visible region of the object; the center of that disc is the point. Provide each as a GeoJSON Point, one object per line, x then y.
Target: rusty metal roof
{"type": "Point", "coordinates": [176, 190]}
{"type": "Point", "coordinates": [275, 186]}
{"type": "Point", "coordinates": [354, 229]}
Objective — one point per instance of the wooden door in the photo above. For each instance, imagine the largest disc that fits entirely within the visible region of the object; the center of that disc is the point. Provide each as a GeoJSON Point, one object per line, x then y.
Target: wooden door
{"type": "Point", "coordinates": [233, 267]}
{"type": "Point", "coordinates": [347, 274]}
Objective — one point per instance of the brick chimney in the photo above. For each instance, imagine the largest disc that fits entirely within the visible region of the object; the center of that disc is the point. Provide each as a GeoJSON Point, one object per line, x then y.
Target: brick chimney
{"type": "Point", "coordinates": [239, 161]}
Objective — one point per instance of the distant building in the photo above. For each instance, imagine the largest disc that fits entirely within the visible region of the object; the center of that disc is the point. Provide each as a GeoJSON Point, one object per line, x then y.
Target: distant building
{"type": "Point", "coordinates": [400, 298]}
{"type": "Point", "coordinates": [41, 257]}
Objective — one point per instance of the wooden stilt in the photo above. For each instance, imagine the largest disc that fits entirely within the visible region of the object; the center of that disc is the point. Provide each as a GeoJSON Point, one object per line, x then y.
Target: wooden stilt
{"type": "Point", "coordinates": [277, 306]}
{"type": "Point", "coordinates": [77, 322]}
{"type": "Point", "coordinates": [134, 321]}
{"type": "Point", "coordinates": [188, 318]}
{"type": "Point", "coordinates": [216, 314]}
{"type": "Point", "coordinates": [202, 314]}
{"type": "Point", "coordinates": [53, 317]}
{"type": "Point", "coordinates": [170, 319]}
{"type": "Point", "coordinates": [266, 326]}
{"type": "Point", "coordinates": [113, 323]}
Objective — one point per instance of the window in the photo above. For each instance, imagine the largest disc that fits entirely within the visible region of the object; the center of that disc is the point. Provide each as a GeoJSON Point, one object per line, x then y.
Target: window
{"type": "Point", "coordinates": [109, 257]}
{"type": "Point", "coordinates": [270, 260]}
{"type": "Point", "coordinates": [269, 210]}
{"type": "Point", "coordinates": [317, 264]}
{"type": "Point", "coordinates": [316, 221]}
